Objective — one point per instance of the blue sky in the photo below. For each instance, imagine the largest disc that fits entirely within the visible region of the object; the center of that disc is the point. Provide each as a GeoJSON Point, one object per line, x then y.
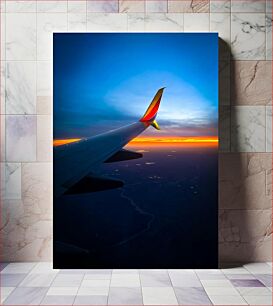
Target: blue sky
{"type": "Point", "coordinates": [104, 81]}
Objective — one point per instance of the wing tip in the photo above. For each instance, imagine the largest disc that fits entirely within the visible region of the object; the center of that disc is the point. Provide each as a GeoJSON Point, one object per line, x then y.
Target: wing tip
{"type": "Point", "coordinates": [152, 110]}
{"type": "Point", "coordinates": [155, 125]}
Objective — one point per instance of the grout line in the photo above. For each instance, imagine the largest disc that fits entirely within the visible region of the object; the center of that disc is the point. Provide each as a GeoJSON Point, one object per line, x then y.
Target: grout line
{"type": "Point", "coordinates": [127, 27]}
{"type": "Point", "coordinates": [172, 287]}
{"type": "Point", "coordinates": [210, 31]}
{"type": "Point", "coordinates": [67, 30]}
{"type": "Point", "coordinates": [107, 301]}
{"type": "Point", "coordinates": [21, 182]}
{"type": "Point", "coordinates": [2, 191]}
{"type": "Point", "coordinates": [265, 121]}
{"type": "Point", "coordinates": [229, 87]}
{"type": "Point", "coordinates": [78, 289]}
{"type": "Point", "coordinates": [202, 283]}
{"type": "Point", "coordinates": [265, 38]}
{"type": "Point", "coordinates": [5, 86]}
{"type": "Point", "coordinates": [36, 78]}
{"type": "Point", "coordinates": [141, 287]}
{"type": "Point", "coordinates": [24, 115]}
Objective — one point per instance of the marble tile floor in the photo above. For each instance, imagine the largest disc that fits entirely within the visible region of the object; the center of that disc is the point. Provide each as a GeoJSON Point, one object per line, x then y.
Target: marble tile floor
{"type": "Point", "coordinates": [38, 284]}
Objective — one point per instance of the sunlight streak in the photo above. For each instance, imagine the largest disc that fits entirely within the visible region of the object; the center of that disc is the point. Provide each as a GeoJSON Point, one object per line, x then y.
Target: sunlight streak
{"type": "Point", "coordinates": [60, 142]}
{"type": "Point", "coordinates": [158, 141]}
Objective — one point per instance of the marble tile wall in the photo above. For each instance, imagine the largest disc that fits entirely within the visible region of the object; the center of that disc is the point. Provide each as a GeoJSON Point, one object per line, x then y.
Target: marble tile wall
{"type": "Point", "coordinates": [245, 111]}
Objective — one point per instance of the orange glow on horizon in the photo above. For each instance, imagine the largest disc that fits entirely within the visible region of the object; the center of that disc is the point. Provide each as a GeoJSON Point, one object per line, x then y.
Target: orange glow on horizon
{"type": "Point", "coordinates": [163, 141]}
{"type": "Point", "coordinates": [172, 139]}
{"type": "Point", "coordinates": [194, 141]}
{"type": "Point", "coordinates": [60, 142]}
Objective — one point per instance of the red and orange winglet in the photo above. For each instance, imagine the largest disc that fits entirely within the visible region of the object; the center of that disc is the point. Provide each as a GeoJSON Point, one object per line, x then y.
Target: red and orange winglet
{"type": "Point", "coordinates": [151, 112]}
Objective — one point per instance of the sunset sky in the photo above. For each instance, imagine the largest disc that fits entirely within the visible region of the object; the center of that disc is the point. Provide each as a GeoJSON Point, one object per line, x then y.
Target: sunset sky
{"type": "Point", "coordinates": [104, 81]}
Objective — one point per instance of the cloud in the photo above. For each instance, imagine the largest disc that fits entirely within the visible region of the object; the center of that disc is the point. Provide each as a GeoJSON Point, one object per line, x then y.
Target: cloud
{"type": "Point", "coordinates": [184, 110]}
{"type": "Point", "coordinates": [181, 101]}
{"type": "Point", "coordinates": [184, 128]}
{"type": "Point", "coordinates": [89, 116]}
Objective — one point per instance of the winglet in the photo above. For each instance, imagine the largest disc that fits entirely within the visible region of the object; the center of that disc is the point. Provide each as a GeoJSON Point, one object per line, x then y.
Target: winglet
{"type": "Point", "coordinates": [151, 112]}
{"type": "Point", "coordinates": [155, 125]}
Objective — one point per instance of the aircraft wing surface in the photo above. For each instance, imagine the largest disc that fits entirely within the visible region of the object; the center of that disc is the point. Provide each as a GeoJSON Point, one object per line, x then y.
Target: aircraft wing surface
{"type": "Point", "coordinates": [75, 161]}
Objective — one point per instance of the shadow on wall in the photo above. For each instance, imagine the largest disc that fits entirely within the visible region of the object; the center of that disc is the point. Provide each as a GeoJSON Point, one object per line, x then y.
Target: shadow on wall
{"type": "Point", "coordinates": [230, 166]}
{"type": "Point", "coordinates": [239, 197]}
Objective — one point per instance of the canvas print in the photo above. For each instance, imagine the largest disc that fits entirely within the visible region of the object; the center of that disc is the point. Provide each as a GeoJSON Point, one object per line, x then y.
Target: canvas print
{"type": "Point", "coordinates": [135, 150]}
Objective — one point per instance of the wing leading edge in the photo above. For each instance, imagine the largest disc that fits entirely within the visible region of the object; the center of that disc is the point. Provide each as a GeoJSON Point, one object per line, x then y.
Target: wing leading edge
{"type": "Point", "coordinates": [74, 161]}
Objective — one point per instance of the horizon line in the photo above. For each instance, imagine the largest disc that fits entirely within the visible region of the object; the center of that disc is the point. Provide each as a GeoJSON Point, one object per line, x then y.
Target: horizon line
{"type": "Point", "coordinates": [160, 140]}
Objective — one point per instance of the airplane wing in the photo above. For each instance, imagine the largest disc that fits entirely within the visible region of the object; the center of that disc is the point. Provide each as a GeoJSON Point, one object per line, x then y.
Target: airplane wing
{"type": "Point", "coordinates": [76, 161]}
